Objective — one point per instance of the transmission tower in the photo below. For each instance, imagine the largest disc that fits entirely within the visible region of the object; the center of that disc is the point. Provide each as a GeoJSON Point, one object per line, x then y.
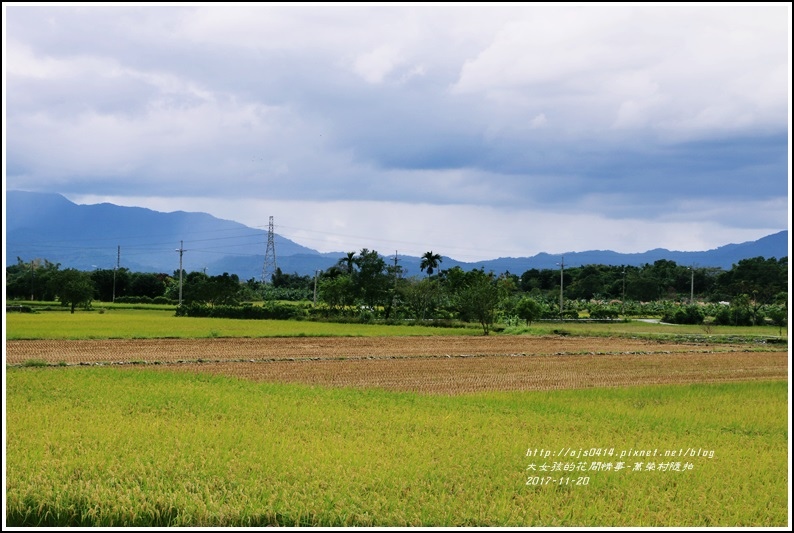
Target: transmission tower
{"type": "Point", "coordinates": [269, 268]}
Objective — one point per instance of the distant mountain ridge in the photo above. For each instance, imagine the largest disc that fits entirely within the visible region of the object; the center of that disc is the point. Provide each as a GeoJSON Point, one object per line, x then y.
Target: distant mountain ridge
{"type": "Point", "coordinates": [86, 237]}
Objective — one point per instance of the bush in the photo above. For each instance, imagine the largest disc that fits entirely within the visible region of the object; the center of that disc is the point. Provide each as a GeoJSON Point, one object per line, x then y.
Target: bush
{"type": "Point", "coordinates": [602, 313]}
{"type": "Point", "coordinates": [133, 300]}
{"type": "Point", "coordinates": [691, 314]}
{"type": "Point", "coordinates": [271, 311]}
{"type": "Point", "coordinates": [733, 316]}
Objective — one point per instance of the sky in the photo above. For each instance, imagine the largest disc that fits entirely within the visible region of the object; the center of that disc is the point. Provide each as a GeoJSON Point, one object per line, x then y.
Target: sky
{"type": "Point", "coordinates": [470, 130]}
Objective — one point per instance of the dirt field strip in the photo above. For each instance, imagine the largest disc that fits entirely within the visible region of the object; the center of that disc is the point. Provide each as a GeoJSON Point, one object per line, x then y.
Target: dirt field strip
{"type": "Point", "coordinates": [300, 348]}
{"type": "Point", "coordinates": [436, 365]}
{"type": "Point", "coordinates": [444, 375]}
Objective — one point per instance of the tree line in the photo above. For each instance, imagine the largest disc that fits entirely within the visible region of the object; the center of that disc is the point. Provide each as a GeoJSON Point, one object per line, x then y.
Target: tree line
{"type": "Point", "coordinates": [364, 285]}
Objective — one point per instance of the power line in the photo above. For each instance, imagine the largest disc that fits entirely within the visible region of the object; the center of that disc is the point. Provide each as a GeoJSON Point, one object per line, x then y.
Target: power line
{"type": "Point", "coordinates": [53, 243]}
{"type": "Point", "coordinates": [223, 244]}
{"type": "Point", "coordinates": [380, 239]}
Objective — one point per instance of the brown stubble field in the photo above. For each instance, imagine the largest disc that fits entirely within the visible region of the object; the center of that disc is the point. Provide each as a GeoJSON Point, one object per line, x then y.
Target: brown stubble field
{"type": "Point", "coordinates": [434, 365]}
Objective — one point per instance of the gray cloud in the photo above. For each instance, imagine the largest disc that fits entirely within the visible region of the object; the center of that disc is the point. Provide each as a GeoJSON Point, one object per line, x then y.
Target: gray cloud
{"type": "Point", "coordinates": [634, 113]}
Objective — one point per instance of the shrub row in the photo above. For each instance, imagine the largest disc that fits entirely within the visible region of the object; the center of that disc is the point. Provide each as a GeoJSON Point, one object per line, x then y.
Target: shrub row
{"type": "Point", "coordinates": [269, 311]}
{"type": "Point", "coordinates": [144, 300]}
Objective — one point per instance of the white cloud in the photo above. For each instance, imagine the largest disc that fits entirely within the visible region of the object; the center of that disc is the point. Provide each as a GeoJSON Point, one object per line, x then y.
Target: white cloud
{"type": "Point", "coordinates": [538, 122]}
{"type": "Point", "coordinates": [375, 65]}
{"type": "Point", "coordinates": [693, 70]}
{"type": "Point", "coordinates": [21, 61]}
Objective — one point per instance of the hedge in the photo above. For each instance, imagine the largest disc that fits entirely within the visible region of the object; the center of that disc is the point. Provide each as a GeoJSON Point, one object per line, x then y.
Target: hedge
{"type": "Point", "coordinates": [269, 311]}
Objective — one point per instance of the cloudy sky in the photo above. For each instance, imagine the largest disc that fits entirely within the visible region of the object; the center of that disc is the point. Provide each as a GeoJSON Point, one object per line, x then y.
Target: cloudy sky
{"type": "Point", "coordinates": [470, 130]}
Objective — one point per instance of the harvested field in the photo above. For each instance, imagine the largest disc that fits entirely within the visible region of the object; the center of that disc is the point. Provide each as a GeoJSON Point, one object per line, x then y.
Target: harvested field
{"type": "Point", "coordinates": [456, 375]}
{"type": "Point", "coordinates": [313, 348]}
{"type": "Point", "coordinates": [447, 365]}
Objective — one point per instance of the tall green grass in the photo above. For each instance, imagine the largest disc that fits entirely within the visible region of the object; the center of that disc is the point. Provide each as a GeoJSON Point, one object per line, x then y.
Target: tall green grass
{"type": "Point", "coordinates": [112, 447]}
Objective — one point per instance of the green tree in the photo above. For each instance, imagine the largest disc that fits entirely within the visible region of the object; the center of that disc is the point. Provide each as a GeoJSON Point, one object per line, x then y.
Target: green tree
{"type": "Point", "coordinates": [110, 283]}
{"type": "Point", "coordinates": [421, 296]}
{"type": "Point", "coordinates": [73, 288]}
{"type": "Point", "coordinates": [666, 275]}
{"type": "Point", "coordinates": [291, 281]}
{"type": "Point", "coordinates": [371, 278]}
{"type": "Point", "coordinates": [642, 286]}
{"type": "Point", "coordinates": [430, 262]}
{"type": "Point", "coordinates": [588, 282]}
{"type": "Point", "coordinates": [224, 289]}
{"type": "Point", "coordinates": [31, 280]}
{"type": "Point", "coordinates": [543, 280]}
{"type": "Point", "coordinates": [336, 292]}
{"type": "Point", "coordinates": [479, 299]}
{"type": "Point", "coordinates": [453, 279]}
{"type": "Point", "coordinates": [738, 313]}
{"type": "Point", "coordinates": [147, 284]}
{"type": "Point", "coordinates": [779, 315]}
{"type": "Point", "coordinates": [529, 309]}
{"type": "Point", "coordinates": [249, 290]}
{"type": "Point", "coordinates": [763, 278]}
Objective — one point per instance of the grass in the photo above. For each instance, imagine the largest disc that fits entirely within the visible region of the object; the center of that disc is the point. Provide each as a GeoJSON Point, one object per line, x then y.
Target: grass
{"type": "Point", "coordinates": [35, 363]}
{"type": "Point", "coordinates": [636, 328]}
{"type": "Point", "coordinates": [132, 323]}
{"type": "Point", "coordinates": [148, 323]}
{"type": "Point", "coordinates": [47, 306]}
{"type": "Point", "coordinates": [109, 447]}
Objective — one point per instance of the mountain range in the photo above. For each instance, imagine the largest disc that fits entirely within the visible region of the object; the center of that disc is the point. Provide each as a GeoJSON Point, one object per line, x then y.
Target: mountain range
{"type": "Point", "coordinates": [103, 236]}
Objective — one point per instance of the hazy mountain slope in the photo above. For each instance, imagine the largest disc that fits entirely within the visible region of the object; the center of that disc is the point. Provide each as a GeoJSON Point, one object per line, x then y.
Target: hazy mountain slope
{"type": "Point", "coordinates": [89, 236]}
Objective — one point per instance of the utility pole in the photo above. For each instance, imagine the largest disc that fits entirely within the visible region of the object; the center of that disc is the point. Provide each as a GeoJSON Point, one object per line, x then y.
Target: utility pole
{"type": "Point", "coordinates": [562, 266]}
{"type": "Point", "coordinates": [394, 292]}
{"type": "Point", "coordinates": [269, 266]}
{"type": "Point", "coordinates": [315, 288]}
{"type": "Point", "coordinates": [32, 279]}
{"type": "Point", "coordinates": [395, 270]}
{"type": "Point", "coordinates": [692, 288]}
{"type": "Point", "coordinates": [118, 263]}
{"type": "Point", "coordinates": [623, 300]}
{"type": "Point", "coordinates": [181, 250]}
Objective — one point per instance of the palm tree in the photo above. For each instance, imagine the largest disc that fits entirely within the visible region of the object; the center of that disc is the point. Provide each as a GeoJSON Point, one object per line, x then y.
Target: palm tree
{"type": "Point", "coordinates": [348, 261]}
{"type": "Point", "coordinates": [430, 262]}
